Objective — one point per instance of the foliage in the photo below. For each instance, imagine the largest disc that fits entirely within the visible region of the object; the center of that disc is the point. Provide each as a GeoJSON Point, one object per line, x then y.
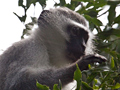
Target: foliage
{"type": "Point", "coordinates": [99, 77]}
{"type": "Point", "coordinates": [44, 87]}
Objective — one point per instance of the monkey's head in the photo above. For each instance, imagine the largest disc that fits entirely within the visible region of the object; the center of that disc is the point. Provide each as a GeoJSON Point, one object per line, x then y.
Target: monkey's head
{"type": "Point", "coordinates": [66, 32]}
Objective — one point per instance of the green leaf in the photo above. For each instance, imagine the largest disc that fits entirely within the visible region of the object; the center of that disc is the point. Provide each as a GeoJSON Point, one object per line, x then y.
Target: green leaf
{"type": "Point", "coordinates": [77, 77]}
{"type": "Point", "coordinates": [106, 34]}
{"type": "Point", "coordinates": [60, 85]}
{"type": "Point", "coordinates": [112, 63]}
{"type": "Point", "coordinates": [100, 3]}
{"type": "Point", "coordinates": [93, 13]}
{"type": "Point", "coordinates": [22, 19]}
{"type": "Point", "coordinates": [116, 86]}
{"type": "Point", "coordinates": [93, 20]}
{"type": "Point", "coordinates": [94, 84]}
{"type": "Point", "coordinates": [111, 52]}
{"type": "Point", "coordinates": [74, 4]}
{"type": "Point", "coordinates": [77, 73]}
{"type": "Point", "coordinates": [106, 77]}
{"type": "Point", "coordinates": [85, 86]}
{"type": "Point", "coordinates": [112, 14]}
{"type": "Point", "coordinates": [84, 0]}
{"type": "Point", "coordinates": [89, 66]}
{"type": "Point", "coordinates": [117, 19]}
{"type": "Point", "coordinates": [55, 87]}
{"type": "Point", "coordinates": [29, 2]}
{"type": "Point", "coordinates": [62, 2]}
{"type": "Point", "coordinates": [103, 87]}
{"type": "Point", "coordinates": [42, 3]}
{"type": "Point", "coordinates": [91, 77]}
{"type": "Point", "coordinates": [20, 2]}
{"type": "Point", "coordinates": [113, 2]}
{"type": "Point", "coordinates": [42, 87]}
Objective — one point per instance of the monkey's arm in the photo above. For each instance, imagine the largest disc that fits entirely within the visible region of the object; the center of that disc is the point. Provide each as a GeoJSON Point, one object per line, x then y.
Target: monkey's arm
{"type": "Point", "coordinates": [50, 77]}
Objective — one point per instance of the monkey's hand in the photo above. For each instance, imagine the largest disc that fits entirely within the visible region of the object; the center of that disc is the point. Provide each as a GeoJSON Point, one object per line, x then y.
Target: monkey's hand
{"type": "Point", "coordinates": [89, 59]}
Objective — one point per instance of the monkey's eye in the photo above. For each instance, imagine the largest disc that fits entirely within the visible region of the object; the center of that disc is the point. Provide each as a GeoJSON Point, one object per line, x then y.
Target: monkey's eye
{"type": "Point", "coordinates": [75, 31]}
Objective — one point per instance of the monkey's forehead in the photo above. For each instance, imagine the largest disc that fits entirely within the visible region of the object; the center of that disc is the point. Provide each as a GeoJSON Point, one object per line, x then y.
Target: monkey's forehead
{"type": "Point", "coordinates": [64, 11]}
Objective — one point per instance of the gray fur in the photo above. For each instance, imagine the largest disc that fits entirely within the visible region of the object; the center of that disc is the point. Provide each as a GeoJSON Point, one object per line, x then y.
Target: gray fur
{"type": "Point", "coordinates": [44, 55]}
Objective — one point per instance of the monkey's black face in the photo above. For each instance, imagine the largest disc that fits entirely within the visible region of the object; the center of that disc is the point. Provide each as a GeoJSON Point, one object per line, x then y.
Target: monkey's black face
{"type": "Point", "coordinates": [77, 43]}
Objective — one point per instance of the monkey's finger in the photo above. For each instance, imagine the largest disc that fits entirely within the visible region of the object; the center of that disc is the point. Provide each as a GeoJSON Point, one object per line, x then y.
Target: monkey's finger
{"type": "Point", "coordinates": [101, 57]}
{"type": "Point", "coordinates": [94, 58]}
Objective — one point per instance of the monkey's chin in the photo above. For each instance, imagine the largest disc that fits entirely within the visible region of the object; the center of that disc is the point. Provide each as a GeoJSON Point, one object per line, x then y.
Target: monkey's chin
{"type": "Point", "coordinates": [72, 57]}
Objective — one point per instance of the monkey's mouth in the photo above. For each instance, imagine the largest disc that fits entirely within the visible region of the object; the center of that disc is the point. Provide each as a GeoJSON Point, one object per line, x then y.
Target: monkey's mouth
{"type": "Point", "coordinates": [72, 57]}
{"type": "Point", "coordinates": [75, 51]}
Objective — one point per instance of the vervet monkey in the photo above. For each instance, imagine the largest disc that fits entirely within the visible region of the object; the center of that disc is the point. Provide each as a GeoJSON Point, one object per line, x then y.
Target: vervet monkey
{"type": "Point", "coordinates": [61, 40]}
